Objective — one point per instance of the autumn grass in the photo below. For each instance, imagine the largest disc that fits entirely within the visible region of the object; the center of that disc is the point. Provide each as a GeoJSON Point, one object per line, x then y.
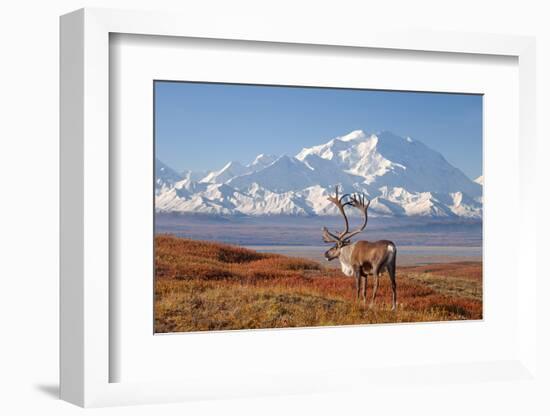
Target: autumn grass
{"type": "Point", "coordinates": [203, 286]}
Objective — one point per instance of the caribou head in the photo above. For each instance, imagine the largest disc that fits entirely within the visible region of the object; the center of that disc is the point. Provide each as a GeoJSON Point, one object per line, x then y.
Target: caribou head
{"type": "Point", "coordinates": [343, 238]}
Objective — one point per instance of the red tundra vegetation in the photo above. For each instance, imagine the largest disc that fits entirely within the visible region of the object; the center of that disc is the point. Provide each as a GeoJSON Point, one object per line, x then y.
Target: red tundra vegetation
{"type": "Point", "coordinates": [201, 285]}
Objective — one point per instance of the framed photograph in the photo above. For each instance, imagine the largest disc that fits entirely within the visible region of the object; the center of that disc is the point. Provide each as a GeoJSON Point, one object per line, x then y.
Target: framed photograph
{"type": "Point", "coordinates": [239, 231]}
{"type": "Point", "coordinates": [270, 212]}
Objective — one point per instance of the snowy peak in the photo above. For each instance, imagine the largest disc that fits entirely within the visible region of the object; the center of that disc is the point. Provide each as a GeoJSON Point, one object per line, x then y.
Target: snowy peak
{"type": "Point", "coordinates": [262, 161]}
{"type": "Point", "coordinates": [229, 171]}
{"type": "Point", "coordinates": [234, 169]}
{"type": "Point", "coordinates": [400, 175]}
{"type": "Point", "coordinates": [354, 135]}
{"type": "Point", "coordinates": [385, 159]}
{"type": "Point", "coordinates": [165, 176]}
{"type": "Point", "coordinates": [479, 180]}
{"type": "Point", "coordinates": [283, 175]}
{"type": "Point", "coordinates": [192, 175]}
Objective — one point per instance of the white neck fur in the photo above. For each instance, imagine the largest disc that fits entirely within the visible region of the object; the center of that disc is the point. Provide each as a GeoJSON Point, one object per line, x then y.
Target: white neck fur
{"type": "Point", "coordinates": [345, 259]}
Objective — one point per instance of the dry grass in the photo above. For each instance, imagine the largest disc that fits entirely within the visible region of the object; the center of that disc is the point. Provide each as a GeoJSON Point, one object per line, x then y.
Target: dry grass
{"type": "Point", "coordinates": [465, 270]}
{"type": "Point", "coordinates": [207, 286]}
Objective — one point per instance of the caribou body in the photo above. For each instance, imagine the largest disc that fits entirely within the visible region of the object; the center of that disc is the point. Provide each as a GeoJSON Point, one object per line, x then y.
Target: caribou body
{"type": "Point", "coordinates": [361, 258]}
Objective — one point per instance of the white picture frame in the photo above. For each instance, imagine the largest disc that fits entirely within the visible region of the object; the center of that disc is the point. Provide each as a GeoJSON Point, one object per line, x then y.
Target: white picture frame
{"type": "Point", "coordinates": [86, 356]}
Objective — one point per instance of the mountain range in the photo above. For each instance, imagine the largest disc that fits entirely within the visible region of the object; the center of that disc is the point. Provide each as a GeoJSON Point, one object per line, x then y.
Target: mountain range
{"type": "Point", "coordinates": [401, 176]}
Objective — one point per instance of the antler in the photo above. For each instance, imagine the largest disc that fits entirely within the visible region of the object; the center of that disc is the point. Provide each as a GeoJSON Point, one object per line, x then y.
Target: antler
{"type": "Point", "coordinates": [338, 202]}
{"type": "Point", "coordinates": [355, 201]}
{"type": "Point", "coordinates": [328, 237]}
{"type": "Point", "coordinates": [358, 201]}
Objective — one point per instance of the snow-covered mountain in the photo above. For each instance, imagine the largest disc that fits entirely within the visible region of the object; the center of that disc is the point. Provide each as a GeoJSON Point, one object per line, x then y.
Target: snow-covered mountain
{"type": "Point", "coordinates": [401, 176]}
{"type": "Point", "coordinates": [165, 177]}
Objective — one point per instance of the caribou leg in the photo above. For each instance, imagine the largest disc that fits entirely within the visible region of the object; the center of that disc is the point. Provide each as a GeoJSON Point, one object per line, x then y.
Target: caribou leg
{"type": "Point", "coordinates": [358, 282]}
{"type": "Point", "coordinates": [376, 280]}
{"type": "Point", "coordinates": [391, 272]}
{"type": "Point", "coordinates": [365, 279]}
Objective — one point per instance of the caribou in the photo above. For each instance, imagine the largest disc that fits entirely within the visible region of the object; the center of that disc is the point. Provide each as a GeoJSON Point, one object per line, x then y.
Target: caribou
{"type": "Point", "coordinates": [361, 258]}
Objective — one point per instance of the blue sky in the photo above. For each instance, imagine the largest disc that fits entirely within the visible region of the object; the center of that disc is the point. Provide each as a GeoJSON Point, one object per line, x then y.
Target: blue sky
{"type": "Point", "coordinates": [202, 126]}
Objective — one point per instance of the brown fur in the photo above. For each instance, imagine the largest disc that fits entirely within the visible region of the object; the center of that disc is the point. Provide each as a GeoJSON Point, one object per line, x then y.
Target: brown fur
{"type": "Point", "coordinates": [374, 258]}
{"type": "Point", "coordinates": [370, 255]}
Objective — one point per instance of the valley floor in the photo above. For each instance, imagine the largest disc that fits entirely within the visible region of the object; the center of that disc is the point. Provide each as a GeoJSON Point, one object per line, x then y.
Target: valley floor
{"type": "Point", "coordinates": [202, 286]}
